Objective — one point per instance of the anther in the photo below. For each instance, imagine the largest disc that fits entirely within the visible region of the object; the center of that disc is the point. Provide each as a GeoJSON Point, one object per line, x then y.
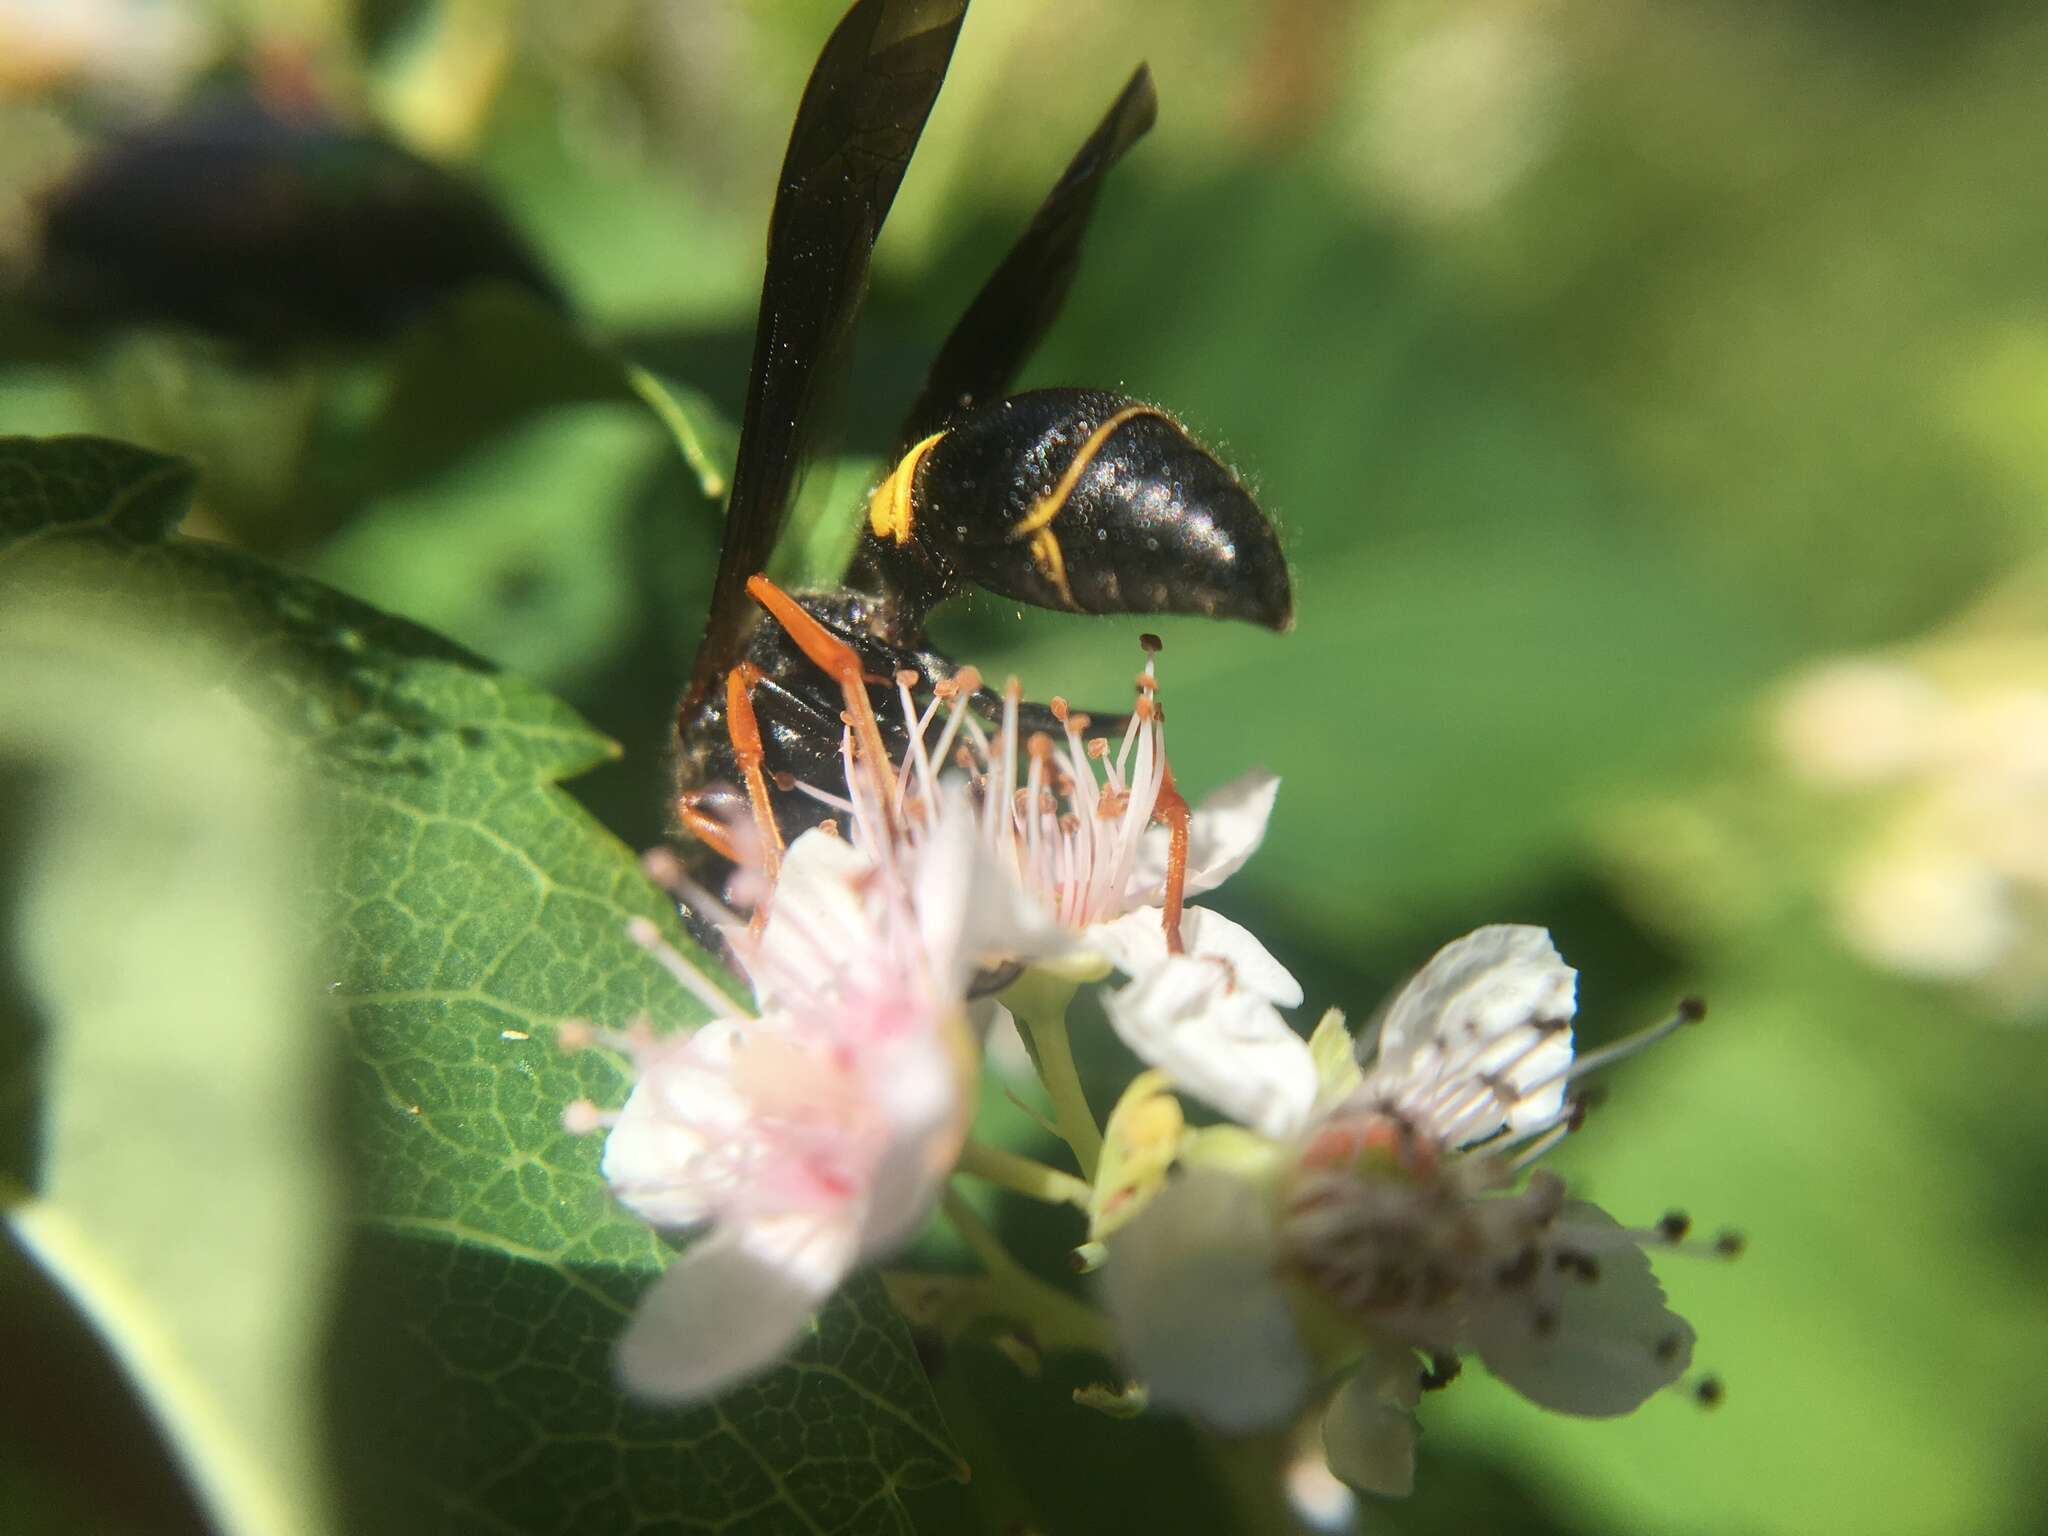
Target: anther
{"type": "Point", "coordinates": [1443, 1370]}
{"type": "Point", "coordinates": [786, 782]}
{"type": "Point", "coordinates": [1673, 1225]}
{"type": "Point", "coordinates": [1692, 1009]}
{"type": "Point", "coordinates": [1668, 1347]}
{"type": "Point", "coordinates": [1519, 1271]}
{"type": "Point", "coordinates": [1687, 1012]}
{"type": "Point", "coordinates": [580, 1117]}
{"type": "Point", "coordinates": [1583, 1266]}
{"type": "Point", "coordinates": [1710, 1392]}
{"type": "Point", "coordinates": [1150, 643]}
{"type": "Point", "coordinates": [663, 868]}
{"type": "Point", "coordinates": [1729, 1245]}
{"type": "Point", "coordinates": [907, 677]}
{"type": "Point", "coordinates": [1058, 708]}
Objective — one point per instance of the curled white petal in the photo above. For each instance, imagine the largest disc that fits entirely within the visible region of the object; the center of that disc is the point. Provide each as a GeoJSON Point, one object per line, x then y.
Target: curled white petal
{"type": "Point", "coordinates": [1220, 1042]}
{"type": "Point", "coordinates": [731, 1305]}
{"type": "Point", "coordinates": [1223, 833]}
{"type": "Point", "coordinates": [1603, 1346]}
{"type": "Point", "coordinates": [1136, 943]}
{"type": "Point", "coordinates": [1191, 1287]}
{"type": "Point", "coordinates": [1496, 1002]}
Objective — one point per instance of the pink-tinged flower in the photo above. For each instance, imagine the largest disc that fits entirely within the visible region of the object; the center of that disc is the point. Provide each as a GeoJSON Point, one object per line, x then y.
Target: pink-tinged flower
{"type": "Point", "coordinates": [1393, 1223]}
{"type": "Point", "coordinates": [812, 1137]}
{"type": "Point", "coordinates": [1100, 853]}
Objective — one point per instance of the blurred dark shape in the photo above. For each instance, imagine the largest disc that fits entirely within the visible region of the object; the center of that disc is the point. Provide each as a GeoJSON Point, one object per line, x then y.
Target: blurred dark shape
{"type": "Point", "coordinates": [276, 232]}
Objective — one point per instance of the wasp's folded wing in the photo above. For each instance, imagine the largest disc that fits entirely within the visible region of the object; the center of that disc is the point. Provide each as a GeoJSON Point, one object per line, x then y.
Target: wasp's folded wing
{"type": "Point", "coordinates": [859, 121]}
{"type": "Point", "coordinates": [1023, 296]}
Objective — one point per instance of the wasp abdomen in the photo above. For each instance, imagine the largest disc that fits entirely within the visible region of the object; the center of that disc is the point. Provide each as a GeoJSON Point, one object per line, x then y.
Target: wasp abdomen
{"type": "Point", "coordinates": [1095, 503]}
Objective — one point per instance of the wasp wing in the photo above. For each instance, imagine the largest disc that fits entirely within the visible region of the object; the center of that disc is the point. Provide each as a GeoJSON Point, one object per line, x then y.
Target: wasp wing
{"type": "Point", "coordinates": [861, 114]}
{"type": "Point", "coordinates": [1023, 296]}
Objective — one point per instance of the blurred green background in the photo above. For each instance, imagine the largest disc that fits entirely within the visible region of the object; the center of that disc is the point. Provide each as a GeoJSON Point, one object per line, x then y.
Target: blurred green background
{"type": "Point", "coordinates": [1608, 368]}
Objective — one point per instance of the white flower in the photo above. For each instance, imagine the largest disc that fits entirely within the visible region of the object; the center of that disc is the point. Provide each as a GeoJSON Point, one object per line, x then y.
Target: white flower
{"type": "Point", "coordinates": [1086, 829]}
{"type": "Point", "coordinates": [1099, 852]}
{"type": "Point", "coordinates": [1391, 1222]}
{"type": "Point", "coordinates": [811, 1138]}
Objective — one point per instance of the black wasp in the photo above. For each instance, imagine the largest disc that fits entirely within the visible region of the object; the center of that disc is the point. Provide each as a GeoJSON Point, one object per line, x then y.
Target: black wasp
{"type": "Point", "coordinates": [1074, 499]}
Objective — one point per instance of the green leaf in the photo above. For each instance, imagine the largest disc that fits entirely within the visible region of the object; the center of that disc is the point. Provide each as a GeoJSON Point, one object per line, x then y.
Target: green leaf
{"type": "Point", "coordinates": [169, 1185]}
{"type": "Point", "coordinates": [473, 905]}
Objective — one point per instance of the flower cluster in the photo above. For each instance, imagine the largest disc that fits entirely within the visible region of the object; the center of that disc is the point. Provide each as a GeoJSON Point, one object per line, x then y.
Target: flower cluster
{"type": "Point", "coordinates": [1393, 1223]}
{"type": "Point", "coordinates": [1947, 748]}
{"type": "Point", "coordinates": [1363, 1223]}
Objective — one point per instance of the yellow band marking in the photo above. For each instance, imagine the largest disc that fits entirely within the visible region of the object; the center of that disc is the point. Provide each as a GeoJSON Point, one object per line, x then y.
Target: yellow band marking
{"type": "Point", "coordinates": [1048, 506]}
{"type": "Point", "coordinates": [889, 511]}
{"type": "Point", "coordinates": [1052, 564]}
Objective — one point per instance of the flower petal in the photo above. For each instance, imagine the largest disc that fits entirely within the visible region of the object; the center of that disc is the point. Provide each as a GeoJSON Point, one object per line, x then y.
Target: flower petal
{"type": "Point", "coordinates": [1199, 1311]}
{"type": "Point", "coordinates": [924, 1088]}
{"type": "Point", "coordinates": [731, 1305]}
{"type": "Point", "coordinates": [971, 909]}
{"type": "Point", "coordinates": [1488, 1003]}
{"type": "Point", "coordinates": [817, 917]}
{"type": "Point", "coordinates": [1136, 943]}
{"type": "Point", "coordinates": [1369, 1427]}
{"type": "Point", "coordinates": [654, 1158]}
{"type": "Point", "coordinates": [1225, 831]}
{"type": "Point", "coordinates": [1223, 1044]}
{"type": "Point", "coordinates": [1608, 1342]}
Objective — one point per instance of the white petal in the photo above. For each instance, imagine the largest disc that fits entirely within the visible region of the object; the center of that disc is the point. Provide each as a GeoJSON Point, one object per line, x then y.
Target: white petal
{"type": "Point", "coordinates": [1225, 1045]}
{"type": "Point", "coordinates": [1191, 1287]}
{"type": "Point", "coordinates": [1136, 943]}
{"type": "Point", "coordinates": [1480, 1006]}
{"type": "Point", "coordinates": [1614, 1341]}
{"type": "Point", "coordinates": [922, 1086]}
{"type": "Point", "coordinates": [818, 916]}
{"type": "Point", "coordinates": [682, 1104]}
{"type": "Point", "coordinates": [1225, 830]}
{"type": "Point", "coordinates": [972, 910]}
{"type": "Point", "coordinates": [731, 1306]}
{"type": "Point", "coordinates": [1369, 1427]}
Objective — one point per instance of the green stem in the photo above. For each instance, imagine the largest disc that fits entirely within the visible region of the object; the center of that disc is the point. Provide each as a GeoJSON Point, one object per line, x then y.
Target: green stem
{"type": "Point", "coordinates": [1057, 1321]}
{"type": "Point", "coordinates": [1023, 1175]}
{"type": "Point", "coordinates": [1040, 1004]}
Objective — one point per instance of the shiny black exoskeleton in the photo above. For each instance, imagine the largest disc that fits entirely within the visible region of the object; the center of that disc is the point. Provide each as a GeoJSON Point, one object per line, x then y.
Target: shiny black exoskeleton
{"type": "Point", "coordinates": [1071, 499]}
{"type": "Point", "coordinates": [1085, 501]}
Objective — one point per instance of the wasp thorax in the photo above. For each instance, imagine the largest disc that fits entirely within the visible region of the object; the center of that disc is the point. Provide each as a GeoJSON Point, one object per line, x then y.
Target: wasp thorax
{"type": "Point", "coordinates": [1095, 503]}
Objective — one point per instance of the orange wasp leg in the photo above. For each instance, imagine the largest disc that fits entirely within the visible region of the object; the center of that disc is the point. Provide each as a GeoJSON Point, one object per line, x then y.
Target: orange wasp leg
{"type": "Point", "coordinates": [839, 662]}
{"type": "Point", "coordinates": [745, 731]}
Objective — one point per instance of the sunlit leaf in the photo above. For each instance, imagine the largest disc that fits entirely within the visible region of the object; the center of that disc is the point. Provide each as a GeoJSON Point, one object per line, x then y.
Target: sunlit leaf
{"type": "Point", "coordinates": [472, 906]}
